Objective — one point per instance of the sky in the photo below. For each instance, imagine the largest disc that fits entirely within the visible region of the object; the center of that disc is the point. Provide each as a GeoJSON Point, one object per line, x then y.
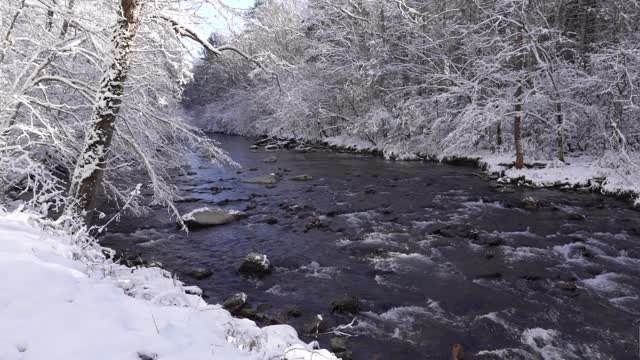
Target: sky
{"type": "Point", "coordinates": [222, 20]}
{"type": "Point", "coordinates": [216, 18]}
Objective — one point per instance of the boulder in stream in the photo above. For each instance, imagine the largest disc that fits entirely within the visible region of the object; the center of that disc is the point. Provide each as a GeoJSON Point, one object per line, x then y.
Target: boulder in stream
{"type": "Point", "coordinates": [211, 217]}
{"type": "Point", "coordinates": [255, 264]}
{"type": "Point", "coordinates": [270, 160]}
{"type": "Point", "coordinates": [262, 180]}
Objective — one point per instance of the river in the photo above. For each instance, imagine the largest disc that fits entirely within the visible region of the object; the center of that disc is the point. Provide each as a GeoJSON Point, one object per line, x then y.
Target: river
{"type": "Point", "coordinates": [436, 255]}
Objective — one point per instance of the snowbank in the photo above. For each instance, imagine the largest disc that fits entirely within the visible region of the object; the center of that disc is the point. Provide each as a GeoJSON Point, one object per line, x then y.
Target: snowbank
{"type": "Point", "coordinates": [581, 171]}
{"type": "Point", "coordinates": [62, 299]}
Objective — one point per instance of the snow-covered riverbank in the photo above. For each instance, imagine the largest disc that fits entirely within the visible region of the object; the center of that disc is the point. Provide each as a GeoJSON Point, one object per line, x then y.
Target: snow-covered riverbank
{"type": "Point", "coordinates": [62, 298]}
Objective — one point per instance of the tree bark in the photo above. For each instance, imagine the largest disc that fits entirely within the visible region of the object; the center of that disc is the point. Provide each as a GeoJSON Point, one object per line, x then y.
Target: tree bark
{"type": "Point", "coordinates": [517, 136]}
{"type": "Point", "coordinates": [560, 120]}
{"type": "Point", "coordinates": [91, 165]}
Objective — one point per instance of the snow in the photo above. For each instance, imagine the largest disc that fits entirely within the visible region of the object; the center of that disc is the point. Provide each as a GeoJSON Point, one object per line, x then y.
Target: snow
{"type": "Point", "coordinates": [62, 299]}
{"type": "Point", "coordinates": [579, 171]}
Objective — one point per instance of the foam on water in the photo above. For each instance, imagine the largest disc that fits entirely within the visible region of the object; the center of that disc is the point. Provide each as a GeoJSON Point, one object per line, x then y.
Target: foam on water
{"type": "Point", "coordinates": [608, 284]}
{"type": "Point", "coordinates": [402, 321]}
{"type": "Point", "coordinates": [523, 253]}
{"type": "Point", "coordinates": [549, 345]}
{"type": "Point", "coordinates": [400, 262]}
{"type": "Point", "coordinates": [314, 269]}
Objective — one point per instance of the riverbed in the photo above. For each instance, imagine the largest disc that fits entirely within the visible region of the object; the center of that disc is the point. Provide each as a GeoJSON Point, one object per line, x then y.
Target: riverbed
{"type": "Point", "coordinates": [436, 255]}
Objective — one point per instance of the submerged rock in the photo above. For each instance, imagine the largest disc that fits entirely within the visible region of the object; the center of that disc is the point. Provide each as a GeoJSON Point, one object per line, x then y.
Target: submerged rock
{"type": "Point", "coordinates": [255, 264]}
{"type": "Point", "coordinates": [200, 274]}
{"type": "Point", "coordinates": [505, 189]}
{"type": "Point", "coordinates": [567, 286]}
{"type": "Point", "coordinates": [235, 302]}
{"type": "Point", "coordinates": [293, 311]}
{"type": "Point", "coordinates": [346, 304]}
{"type": "Point", "coordinates": [576, 217]}
{"type": "Point", "coordinates": [488, 276]}
{"type": "Point", "coordinates": [457, 231]}
{"type": "Point", "coordinates": [263, 180]}
{"type": "Point", "coordinates": [211, 216]}
{"type": "Point", "coordinates": [529, 203]}
{"type": "Point", "coordinates": [271, 160]}
{"type": "Point", "coordinates": [338, 344]}
{"type": "Point", "coordinates": [303, 177]}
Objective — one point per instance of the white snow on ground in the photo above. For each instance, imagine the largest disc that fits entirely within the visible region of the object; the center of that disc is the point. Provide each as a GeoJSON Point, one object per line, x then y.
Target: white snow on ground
{"type": "Point", "coordinates": [61, 299]}
{"type": "Point", "coordinates": [578, 171]}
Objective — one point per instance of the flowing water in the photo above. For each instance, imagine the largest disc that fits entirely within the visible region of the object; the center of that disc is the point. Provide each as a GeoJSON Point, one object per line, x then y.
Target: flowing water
{"type": "Point", "coordinates": [436, 255]}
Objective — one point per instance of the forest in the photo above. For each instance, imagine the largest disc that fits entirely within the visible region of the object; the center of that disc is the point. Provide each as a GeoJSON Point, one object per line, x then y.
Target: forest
{"type": "Point", "coordinates": [537, 80]}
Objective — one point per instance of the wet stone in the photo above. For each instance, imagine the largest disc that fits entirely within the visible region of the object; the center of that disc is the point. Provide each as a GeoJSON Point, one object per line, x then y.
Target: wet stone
{"type": "Point", "coordinates": [346, 304]}
{"type": "Point", "coordinates": [263, 307]}
{"type": "Point", "coordinates": [255, 264]}
{"type": "Point", "coordinates": [457, 231]}
{"type": "Point", "coordinates": [489, 276]}
{"type": "Point", "coordinates": [303, 177]}
{"type": "Point", "coordinates": [235, 302]}
{"type": "Point", "coordinates": [211, 217]}
{"type": "Point", "coordinates": [200, 274]}
{"type": "Point", "coordinates": [338, 344]}
{"type": "Point", "coordinates": [576, 217]}
{"type": "Point", "coordinates": [529, 203]}
{"type": "Point", "coordinates": [293, 311]}
{"type": "Point", "coordinates": [567, 286]}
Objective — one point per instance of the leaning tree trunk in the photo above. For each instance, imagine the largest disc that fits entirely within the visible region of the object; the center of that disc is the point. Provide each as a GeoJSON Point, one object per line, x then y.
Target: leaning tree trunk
{"type": "Point", "coordinates": [93, 158]}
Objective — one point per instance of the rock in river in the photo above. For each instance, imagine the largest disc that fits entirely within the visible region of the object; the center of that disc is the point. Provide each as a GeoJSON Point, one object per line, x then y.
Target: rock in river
{"type": "Point", "coordinates": [263, 180]}
{"type": "Point", "coordinates": [235, 302]}
{"type": "Point", "coordinates": [346, 304]}
{"type": "Point", "coordinates": [529, 203]}
{"type": "Point", "coordinates": [200, 274]}
{"type": "Point", "coordinates": [303, 177]}
{"type": "Point", "coordinates": [255, 264]}
{"type": "Point", "coordinates": [271, 160]}
{"type": "Point", "coordinates": [211, 216]}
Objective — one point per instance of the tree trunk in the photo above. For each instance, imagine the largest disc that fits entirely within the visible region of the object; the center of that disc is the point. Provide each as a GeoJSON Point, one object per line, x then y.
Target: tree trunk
{"type": "Point", "coordinates": [517, 136]}
{"type": "Point", "coordinates": [560, 120]}
{"type": "Point", "coordinates": [91, 165]}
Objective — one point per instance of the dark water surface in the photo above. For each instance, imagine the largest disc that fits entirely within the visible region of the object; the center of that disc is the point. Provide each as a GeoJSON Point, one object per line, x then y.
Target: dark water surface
{"type": "Point", "coordinates": [506, 282]}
